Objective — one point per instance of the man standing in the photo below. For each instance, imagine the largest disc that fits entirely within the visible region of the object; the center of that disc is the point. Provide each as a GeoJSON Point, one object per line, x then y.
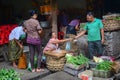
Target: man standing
{"type": "Point", "coordinates": [94, 28]}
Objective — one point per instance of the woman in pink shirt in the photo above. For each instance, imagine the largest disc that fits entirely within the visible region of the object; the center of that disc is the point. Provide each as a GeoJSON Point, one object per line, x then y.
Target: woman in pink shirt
{"type": "Point", "coordinates": [53, 43]}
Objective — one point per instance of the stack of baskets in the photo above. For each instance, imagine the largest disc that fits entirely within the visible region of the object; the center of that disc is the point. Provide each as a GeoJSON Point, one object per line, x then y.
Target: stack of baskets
{"type": "Point", "coordinates": [111, 22]}
{"type": "Point", "coordinates": [55, 61]}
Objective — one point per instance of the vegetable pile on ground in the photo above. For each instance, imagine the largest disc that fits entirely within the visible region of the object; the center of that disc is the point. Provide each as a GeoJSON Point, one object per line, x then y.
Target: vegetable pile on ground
{"type": "Point", "coordinates": [8, 74]}
{"type": "Point", "coordinates": [76, 60]}
{"type": "Point", "coordinates": [105, 65]}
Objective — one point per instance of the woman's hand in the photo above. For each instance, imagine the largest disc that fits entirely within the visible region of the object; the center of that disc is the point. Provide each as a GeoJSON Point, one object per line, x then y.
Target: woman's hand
{"type": "Point", "coordinates": [40, 31]}
{"type": "Point", "coordinates": [21, 46]}
{"type": "Point", "coordinates": [70, 39]}
{"type": "Point", "coordinates": [102, 41]}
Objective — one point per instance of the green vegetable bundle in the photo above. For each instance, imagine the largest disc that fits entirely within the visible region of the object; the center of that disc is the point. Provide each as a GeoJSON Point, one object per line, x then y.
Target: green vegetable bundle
{"type": "Point", "coordinates": [117, 18]}
{"type": "Point", "coordinates": [77, 60]}
{"type": "Point", "coordinates": [105, 65]}
{"type": "Point", "coordinates": [8, 74]}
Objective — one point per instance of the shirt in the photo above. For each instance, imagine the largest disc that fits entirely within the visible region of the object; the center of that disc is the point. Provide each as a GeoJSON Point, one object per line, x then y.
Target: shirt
{"type": "Point", "coordinates": [16, 33]}
{"type": "Point", "coordinates": [74, 22]}
{"type": "Point", "coordinates": [50, 45]}
{"type": "Point", "coordinates": [93, 29]}
{"type": "Point", "coordinates": [32, 26]}
{"type": "Point", "coordinates": [71, 27]}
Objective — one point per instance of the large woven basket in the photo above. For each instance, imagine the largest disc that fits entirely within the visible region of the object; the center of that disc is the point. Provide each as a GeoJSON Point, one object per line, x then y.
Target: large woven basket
{"type": "Point", "coordinates": [55, 64]}
{"type": "Point", "coordinates": [111, 25]}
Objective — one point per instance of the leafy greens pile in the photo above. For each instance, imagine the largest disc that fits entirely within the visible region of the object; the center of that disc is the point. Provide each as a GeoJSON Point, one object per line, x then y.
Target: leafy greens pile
{"type": "Point", "coordinates": [105, 65]}
{"type": "Point", "coordinates": [8, 74]}
{"type": "Point", "coordinates": [76, 60]}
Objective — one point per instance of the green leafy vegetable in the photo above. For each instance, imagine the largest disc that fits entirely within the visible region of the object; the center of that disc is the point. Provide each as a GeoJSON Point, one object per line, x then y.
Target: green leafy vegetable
{"type": "Point", "coordinates": [8, 74]}
{"type": "Point", "coordinates": [105, 65]}
{"type": "Point", "coordinates": [77, 60]}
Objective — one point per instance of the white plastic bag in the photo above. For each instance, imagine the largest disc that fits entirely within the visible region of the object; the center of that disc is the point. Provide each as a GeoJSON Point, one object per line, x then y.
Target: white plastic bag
{"type": "Point", "coordinates": [68, 46]}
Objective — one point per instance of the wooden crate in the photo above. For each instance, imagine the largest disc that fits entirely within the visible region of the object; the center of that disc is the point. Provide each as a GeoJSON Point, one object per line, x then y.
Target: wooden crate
{"type": "Point", "coordinates": [72, 71]}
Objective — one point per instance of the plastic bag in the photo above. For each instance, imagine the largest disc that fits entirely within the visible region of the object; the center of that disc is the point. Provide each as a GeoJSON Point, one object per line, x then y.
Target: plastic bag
{"type": "Point", "coordinates": [68, 46]}
{"type": "Point", "coordinates": [29, 67]}
{"type": "Point", "coordinates": [35, 61]}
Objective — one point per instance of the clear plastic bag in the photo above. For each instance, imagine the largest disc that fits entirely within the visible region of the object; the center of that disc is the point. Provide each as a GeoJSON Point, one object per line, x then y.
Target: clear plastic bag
{"type": "Point", "coordinates": [68, 46]}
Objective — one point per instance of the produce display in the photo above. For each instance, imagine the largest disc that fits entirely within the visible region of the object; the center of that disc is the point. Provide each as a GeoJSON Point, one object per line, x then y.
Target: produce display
{"type": "Point", "coordinates": [105, 65]}
{"type": "Point", "coordinates": [97, 59]}
{"type": "Point", "coordinates": [111, 22]}
{"type": "Point", "coordinates": [9, 74]}
{"type": "Point", "coordinates": [76, 60]}
{"type": "Point", "coordinates": [117, 18]}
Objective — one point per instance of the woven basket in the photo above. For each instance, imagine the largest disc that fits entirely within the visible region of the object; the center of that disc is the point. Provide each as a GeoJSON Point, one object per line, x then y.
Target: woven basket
{"type": "Point", "coordinates": [102, 73]}
{"type": "Point", "coordinates": [111, 25]}
{"type": "Point", "coordinates": [55, 64]}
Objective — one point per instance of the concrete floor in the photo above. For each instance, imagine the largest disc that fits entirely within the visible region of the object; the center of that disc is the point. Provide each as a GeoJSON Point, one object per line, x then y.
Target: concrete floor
{"type": "Point", "coordinates": [46, 75]}
{"type": "Point", "coordinates": [25, 74]}
{"type": "Point", "coordinates": [60, 76]}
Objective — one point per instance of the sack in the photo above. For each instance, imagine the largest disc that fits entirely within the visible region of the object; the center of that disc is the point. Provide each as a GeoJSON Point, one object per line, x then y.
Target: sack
{"type": "Point", "coordinates": [116, 66]}
{"type": "Point", "coordinates": [22, 64]}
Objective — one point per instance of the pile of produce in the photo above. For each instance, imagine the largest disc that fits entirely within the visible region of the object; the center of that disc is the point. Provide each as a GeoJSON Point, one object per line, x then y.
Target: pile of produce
{"type": "Point", "coordinates": [105, 65]}
{"type": "Point", "coordinates": [111, 22]}
{"type": "Point", "coordinates": [117, 18]}
{"type": "Point", "coordinates": [8, 74]}
{"type": "Point", "coordinates": [76, 60]}
{"type": "Point", "coordinates": [97, 59]}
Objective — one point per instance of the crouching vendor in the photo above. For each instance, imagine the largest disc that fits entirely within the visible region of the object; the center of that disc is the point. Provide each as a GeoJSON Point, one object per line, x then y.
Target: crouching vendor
{"type": "Point", "coordinates": [53, 43]}
{"type": "Point", "coordinates": [15, 43]}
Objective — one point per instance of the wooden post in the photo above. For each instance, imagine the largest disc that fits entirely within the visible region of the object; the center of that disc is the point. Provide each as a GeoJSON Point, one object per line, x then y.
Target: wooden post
{"type": "Point", "coordinates": [54, 16]}
{"type": "Point", "coordinates": [54, 21]}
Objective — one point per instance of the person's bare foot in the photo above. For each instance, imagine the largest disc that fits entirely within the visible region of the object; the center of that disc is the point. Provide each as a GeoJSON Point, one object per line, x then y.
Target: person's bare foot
{"type": "Point", "coordinates": [33, 70]}
{"type": "Point", "coordinates": [39, 70]}
{"type": "Point", "coordinates": [14, 65]}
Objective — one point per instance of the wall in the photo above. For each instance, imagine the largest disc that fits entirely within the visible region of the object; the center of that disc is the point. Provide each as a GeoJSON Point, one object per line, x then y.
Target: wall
{"type": "Point", "coordinates": [14, 8]}
{"type": "Point", "coordinates": [113, 43]}
{"type": "Point", "coordinates": [70, 3]}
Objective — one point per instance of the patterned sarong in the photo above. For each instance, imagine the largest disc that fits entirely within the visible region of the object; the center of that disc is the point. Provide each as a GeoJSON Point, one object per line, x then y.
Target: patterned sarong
{"type": "Point", "coordinates": [14, 51]}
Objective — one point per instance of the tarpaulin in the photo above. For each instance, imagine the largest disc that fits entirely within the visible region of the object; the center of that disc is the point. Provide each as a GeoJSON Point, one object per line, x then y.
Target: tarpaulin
{"type": "Point", "coordinates": [5, 30]}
